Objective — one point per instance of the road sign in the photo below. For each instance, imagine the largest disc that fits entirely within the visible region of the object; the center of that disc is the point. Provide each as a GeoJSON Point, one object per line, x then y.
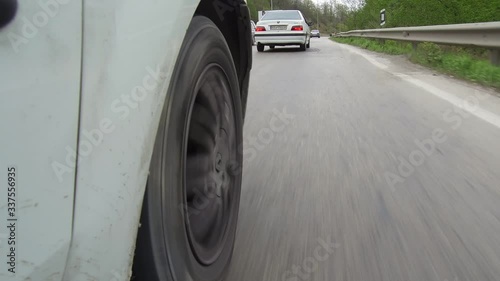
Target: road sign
{"type": "Point", "coordinates": [382, 17]}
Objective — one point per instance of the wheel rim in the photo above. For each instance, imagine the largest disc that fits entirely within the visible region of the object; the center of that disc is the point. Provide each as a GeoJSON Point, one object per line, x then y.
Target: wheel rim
{"type": "Point", "coordinates": [210, 155]}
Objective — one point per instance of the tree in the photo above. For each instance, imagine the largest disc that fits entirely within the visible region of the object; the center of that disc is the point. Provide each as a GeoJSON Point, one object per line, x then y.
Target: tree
{"type": "Point", "coordinates": [335, 15]}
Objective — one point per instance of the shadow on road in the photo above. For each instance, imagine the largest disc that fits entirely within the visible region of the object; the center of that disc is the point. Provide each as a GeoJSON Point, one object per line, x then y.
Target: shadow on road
{"type": "Point", "coordinates": [282, 50]}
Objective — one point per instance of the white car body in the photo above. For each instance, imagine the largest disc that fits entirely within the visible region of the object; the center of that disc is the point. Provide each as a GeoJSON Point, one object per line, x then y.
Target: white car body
{"type": "Point", "coordinates": [253, 31]}
{"type": "Point", "coordinates": [94, 74]}
{"type": "Point", "coordinates": [284, 35]}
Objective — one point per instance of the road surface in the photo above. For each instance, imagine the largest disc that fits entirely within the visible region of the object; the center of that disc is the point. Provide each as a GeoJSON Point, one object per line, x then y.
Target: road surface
{"type": "Point", "coordinates": [364, 167]}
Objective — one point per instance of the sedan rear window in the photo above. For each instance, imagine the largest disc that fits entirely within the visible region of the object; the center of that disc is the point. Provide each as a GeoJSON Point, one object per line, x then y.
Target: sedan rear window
{"type": "Point", "coordinates": [281, 15]}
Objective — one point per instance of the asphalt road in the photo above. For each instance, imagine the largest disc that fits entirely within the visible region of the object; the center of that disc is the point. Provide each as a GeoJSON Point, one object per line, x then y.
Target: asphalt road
{"type": "Point", "coordinates": [364, 167]}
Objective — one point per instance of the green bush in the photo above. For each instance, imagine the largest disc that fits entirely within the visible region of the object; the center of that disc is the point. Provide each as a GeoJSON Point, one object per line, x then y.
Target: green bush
{"type": "Point", "coordinates": [432, 53]}
{"type": "Point", "coordinates": [457, 63]}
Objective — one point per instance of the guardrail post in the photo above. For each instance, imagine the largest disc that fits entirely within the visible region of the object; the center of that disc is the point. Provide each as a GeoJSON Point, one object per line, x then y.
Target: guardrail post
{"type": "Point", "coordinates": [495, 56]}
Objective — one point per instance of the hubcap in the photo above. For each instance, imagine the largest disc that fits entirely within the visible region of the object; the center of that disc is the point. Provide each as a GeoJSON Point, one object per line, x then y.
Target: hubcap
{"type": "Point", "coordinates": [210, 151]}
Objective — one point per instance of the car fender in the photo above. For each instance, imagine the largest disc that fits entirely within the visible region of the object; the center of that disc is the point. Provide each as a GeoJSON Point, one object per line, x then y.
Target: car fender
{"type": "Point", "coordinates": [40, 54]}
{"type": "Point", "coordinates": [129, 52]}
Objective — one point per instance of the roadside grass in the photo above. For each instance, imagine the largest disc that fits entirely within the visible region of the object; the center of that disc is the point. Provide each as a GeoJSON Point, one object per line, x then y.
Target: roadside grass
{"type": "Point", "coordinates": [467, 63]}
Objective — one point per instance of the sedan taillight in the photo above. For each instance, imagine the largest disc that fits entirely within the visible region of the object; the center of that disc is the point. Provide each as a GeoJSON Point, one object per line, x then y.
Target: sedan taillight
{"type": "Point", "coordinates": [297, 28]}
{"type": "Point", "coordinates": [260, 28]}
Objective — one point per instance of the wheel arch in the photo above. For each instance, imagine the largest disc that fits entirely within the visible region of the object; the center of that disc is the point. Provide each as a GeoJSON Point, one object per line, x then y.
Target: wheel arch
{"type": "Point", "coordinates": [233, 20]}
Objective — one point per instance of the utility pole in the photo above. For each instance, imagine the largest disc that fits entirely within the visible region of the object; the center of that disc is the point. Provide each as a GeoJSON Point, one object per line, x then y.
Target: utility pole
{"type": "Point", "coordinates": [271, 4]}
{"type": "Point", "coordinates": [317, 12]}
{"type": "Point", "coordinates": [317, 17]}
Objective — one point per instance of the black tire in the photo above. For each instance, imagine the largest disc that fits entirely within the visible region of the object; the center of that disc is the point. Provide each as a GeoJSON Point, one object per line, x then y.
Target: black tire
{"type": "Point", "coordinates": [190, 209]}
{"type": "Point", "coordinates": [260, 47]}
{"type": "Point", "coordinates": [302, 47]}
{"type": "Point", "coordinates": [308, 45]}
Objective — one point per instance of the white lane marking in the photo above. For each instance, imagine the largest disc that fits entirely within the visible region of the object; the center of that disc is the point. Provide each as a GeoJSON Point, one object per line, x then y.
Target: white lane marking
{"type": "Point", "coordinates": [364, 55]}
{"type": "Point", "coordinates": [454, 100]}
{"type": "Point", "coordinates": [372, 60]}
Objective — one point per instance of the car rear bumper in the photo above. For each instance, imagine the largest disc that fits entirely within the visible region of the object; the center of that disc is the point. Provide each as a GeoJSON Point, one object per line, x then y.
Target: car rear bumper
{"type": "Point", "coordinates": [281, 39]}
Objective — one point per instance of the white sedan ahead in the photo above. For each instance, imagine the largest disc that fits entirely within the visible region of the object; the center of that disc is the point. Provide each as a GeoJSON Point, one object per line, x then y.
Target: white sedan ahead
{"type": "Point", "coordinates": [282, 28]}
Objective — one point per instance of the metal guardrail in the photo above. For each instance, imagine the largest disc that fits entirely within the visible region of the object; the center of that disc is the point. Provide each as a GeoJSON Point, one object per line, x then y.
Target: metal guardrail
{"type": "Point", "coordinates": [485, 34]}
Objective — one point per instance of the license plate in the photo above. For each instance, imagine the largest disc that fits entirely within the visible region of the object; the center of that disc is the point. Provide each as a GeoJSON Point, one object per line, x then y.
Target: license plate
{"type": "Point", "coordinates": [278, 27]}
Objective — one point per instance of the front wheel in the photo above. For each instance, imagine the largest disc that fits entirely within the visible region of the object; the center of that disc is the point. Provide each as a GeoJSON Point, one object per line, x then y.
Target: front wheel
{"type": "Point", "coordinates": [190, 209]}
